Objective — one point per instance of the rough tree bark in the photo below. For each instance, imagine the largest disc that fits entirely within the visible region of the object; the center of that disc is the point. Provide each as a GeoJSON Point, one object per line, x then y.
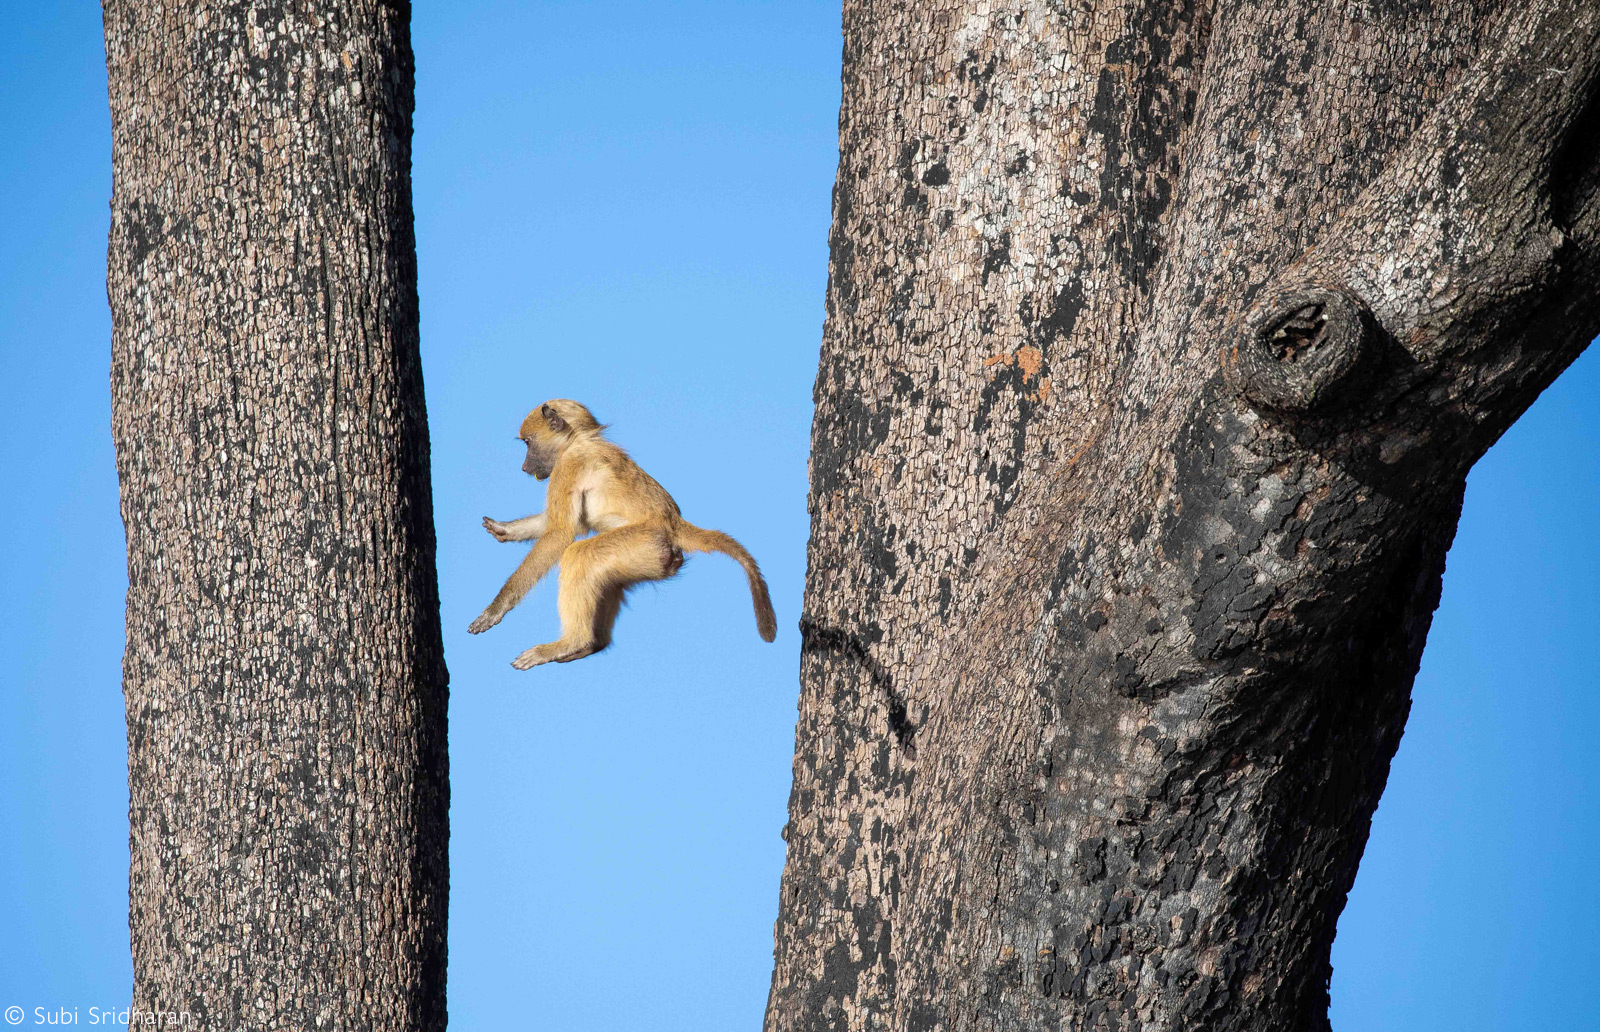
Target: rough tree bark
{"type": "Point", "coordinates": [284, 673]}
{"type": "Point", "coordinates": [1160, 339]}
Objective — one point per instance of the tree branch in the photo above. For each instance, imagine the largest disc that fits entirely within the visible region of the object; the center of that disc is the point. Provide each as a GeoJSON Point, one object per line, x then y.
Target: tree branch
{"type": "Point", "coordinates": [1454, 246]}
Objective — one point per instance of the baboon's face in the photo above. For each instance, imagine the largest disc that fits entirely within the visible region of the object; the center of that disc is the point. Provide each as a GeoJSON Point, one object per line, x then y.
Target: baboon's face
{"type": "Point", "coordinates": [547, 433]}
{"type": "Point", "coordinates": [542, 455]}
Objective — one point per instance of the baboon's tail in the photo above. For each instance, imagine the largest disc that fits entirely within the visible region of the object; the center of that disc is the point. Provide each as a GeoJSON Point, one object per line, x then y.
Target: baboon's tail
{"type": "Point", "coordinates": [697, 539]}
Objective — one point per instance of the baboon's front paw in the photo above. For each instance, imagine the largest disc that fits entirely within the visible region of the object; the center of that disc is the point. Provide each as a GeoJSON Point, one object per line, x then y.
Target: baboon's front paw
{"type": "Point", "coordinates": [530, 659]}
{"type": "Point", "coordinates": [484, 621]}
{"type": "Point", "coordinates": [496, 529]}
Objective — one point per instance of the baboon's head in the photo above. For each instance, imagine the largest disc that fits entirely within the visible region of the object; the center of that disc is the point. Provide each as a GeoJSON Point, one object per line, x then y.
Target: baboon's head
{"type": "Point", "coordinates": [549, 430]}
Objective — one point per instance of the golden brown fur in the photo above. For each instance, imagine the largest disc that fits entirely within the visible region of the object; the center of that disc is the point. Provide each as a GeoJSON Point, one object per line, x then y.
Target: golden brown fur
{"type": "Point", "coordinates": [640, 535]}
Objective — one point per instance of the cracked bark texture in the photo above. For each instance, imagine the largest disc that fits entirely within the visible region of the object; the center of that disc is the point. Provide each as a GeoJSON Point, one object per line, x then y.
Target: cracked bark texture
{"type": "Point", "coordinates": [1160, 340]}
{"type": "Point", "coordinates": [284, 674]}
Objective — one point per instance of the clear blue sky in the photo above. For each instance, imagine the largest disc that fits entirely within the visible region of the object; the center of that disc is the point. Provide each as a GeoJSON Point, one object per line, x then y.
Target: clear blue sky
{"type": "Point", "coordinates": [627, 203]}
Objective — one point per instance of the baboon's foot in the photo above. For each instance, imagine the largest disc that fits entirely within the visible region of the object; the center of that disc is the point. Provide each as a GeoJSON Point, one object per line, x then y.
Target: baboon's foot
{"type": "Point", "coordinates": [553, 652]}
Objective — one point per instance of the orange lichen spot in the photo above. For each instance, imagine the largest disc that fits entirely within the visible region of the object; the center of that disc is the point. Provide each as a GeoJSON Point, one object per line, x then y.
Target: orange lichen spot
{"type": "Point", "coordinates": [1043, 393]}
{"type": "Point", "coordinates": [1030, 359]}
{"type": "Point", "coordinates": [1000, 359]}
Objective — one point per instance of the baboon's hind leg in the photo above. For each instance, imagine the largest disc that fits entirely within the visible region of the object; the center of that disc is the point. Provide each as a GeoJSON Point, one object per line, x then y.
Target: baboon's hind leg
{"type": "Point", "coordinates": [605, 615]}
{"type": "Point", "coordinates": [595, 574]}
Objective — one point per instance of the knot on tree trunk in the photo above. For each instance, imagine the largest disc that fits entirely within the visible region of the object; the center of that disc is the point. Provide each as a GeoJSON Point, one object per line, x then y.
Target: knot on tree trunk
{"type": "Point", "coordinates": [1302, 350]}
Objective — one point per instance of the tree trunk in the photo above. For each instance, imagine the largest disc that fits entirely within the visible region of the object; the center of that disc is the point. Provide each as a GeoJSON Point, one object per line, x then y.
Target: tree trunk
{"type": "Point", "coordinates": [1160, 339]}
{"type": "Point", "coordinates": [284, 673]}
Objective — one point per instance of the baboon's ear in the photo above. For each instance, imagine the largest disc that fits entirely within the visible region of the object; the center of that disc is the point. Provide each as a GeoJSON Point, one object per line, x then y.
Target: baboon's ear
{"type": "Point", "coordinates": [553, 419]}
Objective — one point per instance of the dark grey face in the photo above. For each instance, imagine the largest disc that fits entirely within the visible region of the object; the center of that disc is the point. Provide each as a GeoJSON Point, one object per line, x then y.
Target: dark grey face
{"type": "Point", "coordinates": [541, 459]}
